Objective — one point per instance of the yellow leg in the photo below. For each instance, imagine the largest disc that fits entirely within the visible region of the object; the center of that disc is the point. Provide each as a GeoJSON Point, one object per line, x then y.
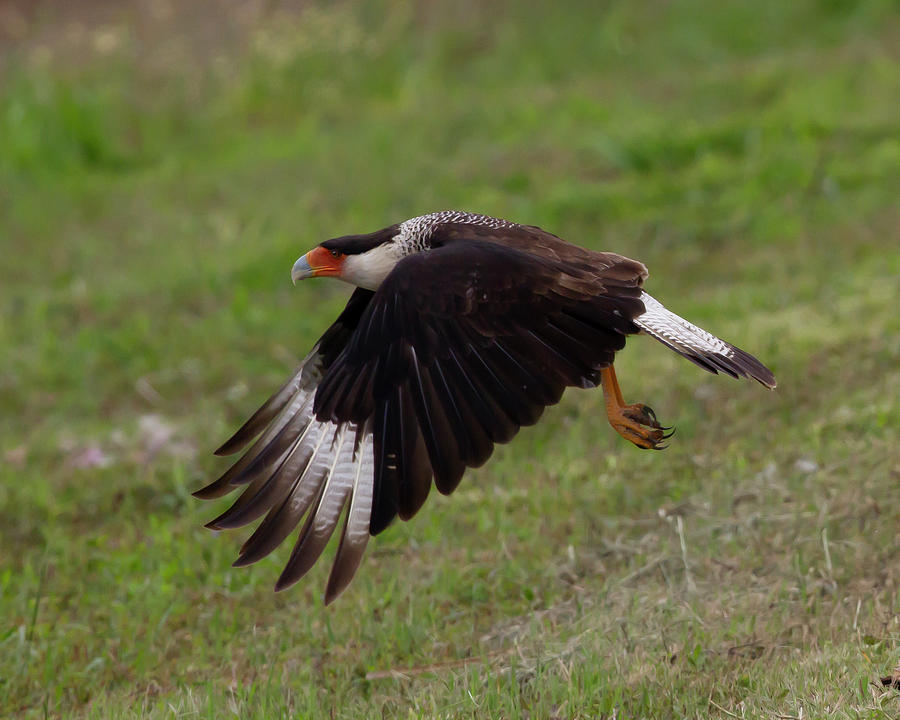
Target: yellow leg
{"type": "Point", "coordinates": [636, 423]}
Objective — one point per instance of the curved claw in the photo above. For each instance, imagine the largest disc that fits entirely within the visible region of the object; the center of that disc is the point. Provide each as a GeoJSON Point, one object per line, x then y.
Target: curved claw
{"type": "Point", "coordinates": [642, 414]}
{"type": "Point", "coordinates": [655, 446]}
{"type": "Point", "coordinates": [636, 423]}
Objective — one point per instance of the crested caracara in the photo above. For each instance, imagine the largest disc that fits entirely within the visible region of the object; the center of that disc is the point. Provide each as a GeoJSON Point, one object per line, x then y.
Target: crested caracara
{"type": "Point", "coordinates": [462, 329]}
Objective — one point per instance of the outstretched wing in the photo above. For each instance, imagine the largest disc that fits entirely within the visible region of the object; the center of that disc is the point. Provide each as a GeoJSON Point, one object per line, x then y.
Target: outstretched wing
{"type": "Point", "coordinates": [460, 347]}
{"type": "Point", "coordinates": [302, 466]}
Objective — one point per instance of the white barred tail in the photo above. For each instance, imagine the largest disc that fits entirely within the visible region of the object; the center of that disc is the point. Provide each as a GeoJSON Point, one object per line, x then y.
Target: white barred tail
{"type": "Point", "coordinates": [698, 345]}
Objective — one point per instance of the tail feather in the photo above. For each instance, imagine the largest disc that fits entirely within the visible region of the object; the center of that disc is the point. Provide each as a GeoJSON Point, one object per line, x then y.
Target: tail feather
{"type": "Point", "coordinates": [699, 346]}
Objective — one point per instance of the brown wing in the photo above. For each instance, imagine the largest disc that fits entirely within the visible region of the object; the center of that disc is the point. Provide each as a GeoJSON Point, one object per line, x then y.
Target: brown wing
{"type": "Point", "coordinates": [464, 344]}
{"type": "Point", "coordinates": [607, 268]}
{"type": "Point", "coordinates": [300, 467]}
{"type": "Point", "coordinates": [460, 347]}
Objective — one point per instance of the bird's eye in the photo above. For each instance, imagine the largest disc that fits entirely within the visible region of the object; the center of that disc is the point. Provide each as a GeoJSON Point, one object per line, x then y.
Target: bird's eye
{"type": "Point", "coordinates": [335, 253]}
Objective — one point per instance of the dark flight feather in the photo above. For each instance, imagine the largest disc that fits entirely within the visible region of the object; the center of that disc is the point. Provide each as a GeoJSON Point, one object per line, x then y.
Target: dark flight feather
{"type": "Point", "coordinates": [458, 348]}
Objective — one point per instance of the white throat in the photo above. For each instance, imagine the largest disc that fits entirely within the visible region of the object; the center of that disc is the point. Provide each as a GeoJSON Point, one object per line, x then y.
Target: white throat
{"type": "Point", "coordinates": [369, 269]}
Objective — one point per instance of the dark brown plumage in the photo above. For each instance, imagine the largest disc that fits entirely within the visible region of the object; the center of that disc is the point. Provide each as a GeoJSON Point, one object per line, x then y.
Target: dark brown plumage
{"type": "Point", "coordinates": [462, 330]}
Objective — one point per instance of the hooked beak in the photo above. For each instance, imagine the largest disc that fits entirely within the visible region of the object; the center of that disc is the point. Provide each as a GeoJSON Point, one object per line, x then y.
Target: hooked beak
{"type": "Point", "coordinates": [318, 262]}
{"type": "Point", "coordinates": [301, 269]}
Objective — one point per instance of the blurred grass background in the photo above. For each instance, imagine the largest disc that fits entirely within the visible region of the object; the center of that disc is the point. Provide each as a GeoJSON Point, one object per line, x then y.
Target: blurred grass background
{"type": "Point", "coordinates": [163, 164]}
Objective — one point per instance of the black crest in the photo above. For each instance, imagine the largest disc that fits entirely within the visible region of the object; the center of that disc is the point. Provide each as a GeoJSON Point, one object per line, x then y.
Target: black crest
{"type": "Point", "coordinates": [357, 244]}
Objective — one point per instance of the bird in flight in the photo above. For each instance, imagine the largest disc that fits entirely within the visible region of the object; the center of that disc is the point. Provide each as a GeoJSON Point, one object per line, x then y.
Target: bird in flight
{"type": "Point", "coordinates": [462, 329]}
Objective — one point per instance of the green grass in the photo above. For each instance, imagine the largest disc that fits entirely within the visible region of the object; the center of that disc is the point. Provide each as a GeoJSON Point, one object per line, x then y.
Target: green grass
{"type": "Point", "coordinates": [152, 201]}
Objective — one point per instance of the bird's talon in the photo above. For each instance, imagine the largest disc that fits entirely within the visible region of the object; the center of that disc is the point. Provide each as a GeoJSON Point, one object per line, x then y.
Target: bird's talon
{"type": "Point", "coordinates": [641, 414]}
{"type": "Point", "coordinates": [639, 425]}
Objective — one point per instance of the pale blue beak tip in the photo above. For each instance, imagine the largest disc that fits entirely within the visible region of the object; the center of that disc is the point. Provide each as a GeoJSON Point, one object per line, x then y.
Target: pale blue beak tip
{"type": "Point", "coordinates": [301, 270]}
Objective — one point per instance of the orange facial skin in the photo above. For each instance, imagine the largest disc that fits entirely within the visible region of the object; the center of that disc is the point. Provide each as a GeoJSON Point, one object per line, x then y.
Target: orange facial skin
{"type": "Point", "coordinates": [325, 263]}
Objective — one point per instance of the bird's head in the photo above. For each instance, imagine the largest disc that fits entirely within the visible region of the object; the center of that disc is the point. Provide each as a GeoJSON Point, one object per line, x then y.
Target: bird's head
{"type": "Point", "coordinates": [361, 260]}
{"type": "Point", "coordinates": [366, 260]}
{"type": "Point", "coordinates": [319, 262]}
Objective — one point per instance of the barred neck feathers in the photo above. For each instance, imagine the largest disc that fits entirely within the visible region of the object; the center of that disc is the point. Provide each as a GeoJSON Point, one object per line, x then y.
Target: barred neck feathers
{"type": "Point", "coordinates": [369, 269]}
{"type": "Point", "coordinates": [416, 232]}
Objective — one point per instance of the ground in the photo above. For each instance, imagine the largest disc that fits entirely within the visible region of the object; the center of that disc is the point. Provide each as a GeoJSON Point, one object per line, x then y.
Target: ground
{"type": "Point", "coordinates": [157, 181]}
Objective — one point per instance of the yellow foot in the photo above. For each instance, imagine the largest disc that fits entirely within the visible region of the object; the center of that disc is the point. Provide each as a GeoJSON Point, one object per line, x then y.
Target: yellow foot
{"type": "Point", "coordinates": [638, 424]}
